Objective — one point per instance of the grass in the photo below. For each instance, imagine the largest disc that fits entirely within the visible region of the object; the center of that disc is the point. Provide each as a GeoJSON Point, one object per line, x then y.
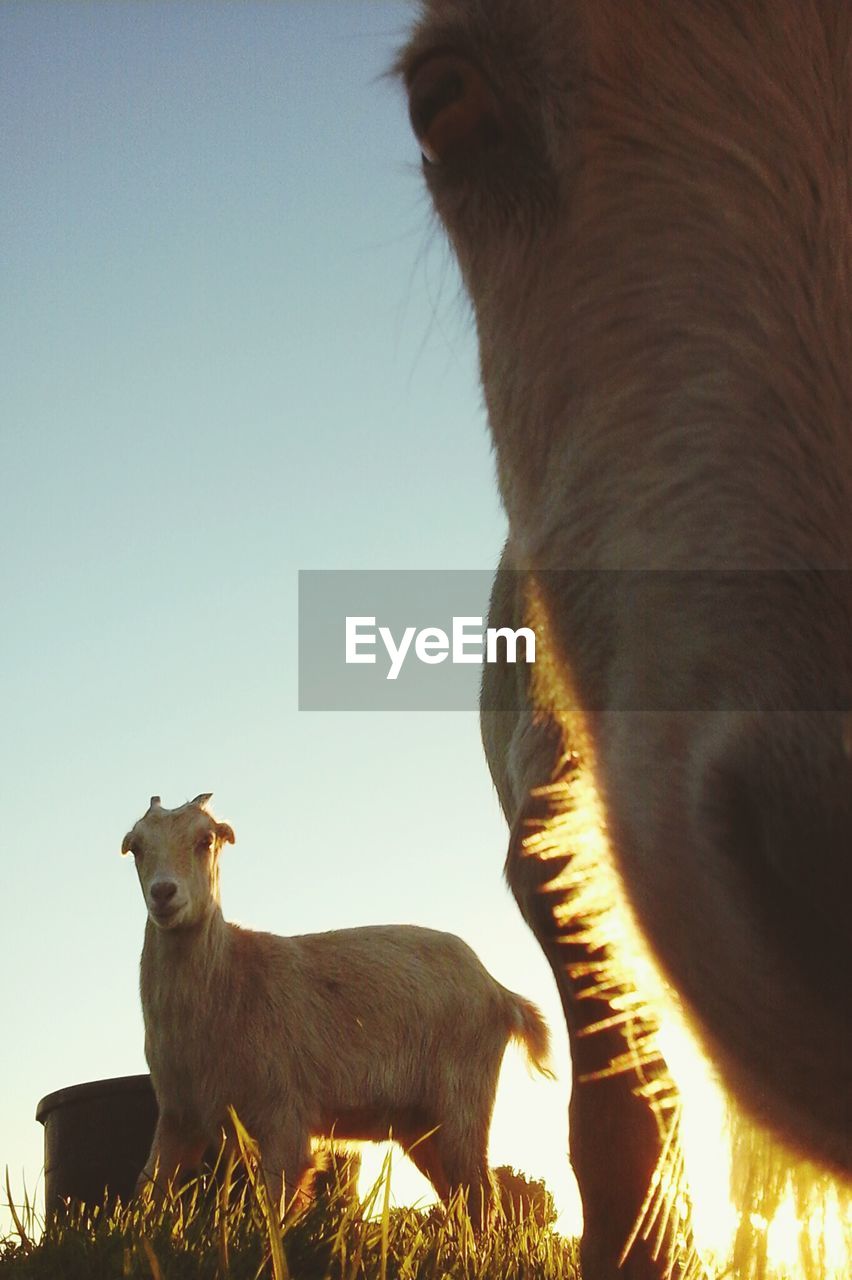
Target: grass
{"type": "Point", "coordinates": [227, 1231]}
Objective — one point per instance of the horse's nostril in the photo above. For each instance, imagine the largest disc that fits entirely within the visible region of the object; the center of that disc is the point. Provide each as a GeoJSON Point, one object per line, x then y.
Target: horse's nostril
{"type": "Point", "coordinates": [781, 814]}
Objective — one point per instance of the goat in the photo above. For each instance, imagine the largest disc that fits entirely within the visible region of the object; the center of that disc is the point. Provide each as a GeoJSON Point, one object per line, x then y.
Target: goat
{"type": "Point", "coordinates": [650, 206]}
{"type": "Point", "coordinates": [355, 1032]}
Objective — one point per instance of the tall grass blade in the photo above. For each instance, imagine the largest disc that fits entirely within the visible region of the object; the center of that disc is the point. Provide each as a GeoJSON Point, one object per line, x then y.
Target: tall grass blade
{"type": "Point", "coordinates": [269, 1212]}
{"type": "Point", "coordinates": [386, 1174]}
{"type": "Point", "coordinates": [26, 1243]}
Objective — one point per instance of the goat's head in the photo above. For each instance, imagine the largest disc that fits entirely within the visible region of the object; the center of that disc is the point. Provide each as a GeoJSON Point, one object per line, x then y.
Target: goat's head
{"type": "Point", "coordinates": [177, 860]}
{"type": "Point", "coordinates": [650, 207]}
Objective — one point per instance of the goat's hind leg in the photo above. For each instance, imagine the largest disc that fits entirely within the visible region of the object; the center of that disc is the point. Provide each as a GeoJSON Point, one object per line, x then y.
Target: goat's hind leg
{"type": "Point", "coordinates": [463, 1156]}
{"type": "Point", "coordinates": [424, 1154]}
{"type": "Point", "coordinates": [438, 1159]}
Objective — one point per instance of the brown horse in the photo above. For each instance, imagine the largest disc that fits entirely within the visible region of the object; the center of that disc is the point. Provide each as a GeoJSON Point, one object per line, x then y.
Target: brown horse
{"type": "Point", "coordinates": [651, 205]}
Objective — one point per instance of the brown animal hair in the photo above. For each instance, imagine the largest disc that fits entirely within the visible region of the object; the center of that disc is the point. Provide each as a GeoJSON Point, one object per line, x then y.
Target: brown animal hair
{"type": "Point", "coordinates": [650, 205]}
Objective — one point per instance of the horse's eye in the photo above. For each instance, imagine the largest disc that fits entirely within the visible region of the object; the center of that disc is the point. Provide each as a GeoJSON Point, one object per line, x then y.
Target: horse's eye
{"type": "Point", "coordinates": [452, 107]}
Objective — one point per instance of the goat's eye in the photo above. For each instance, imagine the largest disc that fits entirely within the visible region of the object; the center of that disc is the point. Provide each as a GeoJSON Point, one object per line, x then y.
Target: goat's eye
{"type": "Point", "coordinates": [452, 107]}
{"type": "Point", "coordinates": [203, 843]}
{"type": "Point", "coordinates": [136, 851]}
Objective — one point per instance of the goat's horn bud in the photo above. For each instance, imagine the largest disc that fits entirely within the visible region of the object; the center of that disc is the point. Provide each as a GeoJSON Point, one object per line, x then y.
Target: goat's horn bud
{"type": "Point", "coordinates": [155, 802]}
{"type": "Point", "coordinates": [201, 800]}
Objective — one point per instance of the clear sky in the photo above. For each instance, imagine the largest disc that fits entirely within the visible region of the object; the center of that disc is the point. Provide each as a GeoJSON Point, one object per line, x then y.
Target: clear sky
{"type": "Point", "coordinates": [234, 346]}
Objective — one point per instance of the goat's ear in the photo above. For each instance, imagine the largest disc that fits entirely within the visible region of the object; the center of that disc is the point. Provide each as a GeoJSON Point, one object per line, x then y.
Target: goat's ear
{"type": "Point", "coordinates": [225, 833]}
{"type": "Point", "coordinates": [126, 843]}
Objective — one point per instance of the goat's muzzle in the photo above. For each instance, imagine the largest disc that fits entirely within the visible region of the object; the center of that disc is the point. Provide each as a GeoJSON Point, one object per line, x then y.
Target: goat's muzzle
{"type": "Point", "coordinates": [162, 904]}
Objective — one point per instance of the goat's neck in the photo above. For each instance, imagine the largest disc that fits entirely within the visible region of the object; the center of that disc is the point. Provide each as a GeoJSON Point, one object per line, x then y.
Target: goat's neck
{"type": "Point", "coordinates": [193, 954]}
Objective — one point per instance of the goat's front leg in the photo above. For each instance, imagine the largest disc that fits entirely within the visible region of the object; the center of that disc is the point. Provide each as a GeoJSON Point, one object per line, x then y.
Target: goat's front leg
{"type": "Point", "coordinates": [173, 1150]}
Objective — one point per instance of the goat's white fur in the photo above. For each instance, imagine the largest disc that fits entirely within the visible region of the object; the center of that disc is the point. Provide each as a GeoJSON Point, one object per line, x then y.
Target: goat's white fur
{"type": "Point", "coordinates": [356, 1032]}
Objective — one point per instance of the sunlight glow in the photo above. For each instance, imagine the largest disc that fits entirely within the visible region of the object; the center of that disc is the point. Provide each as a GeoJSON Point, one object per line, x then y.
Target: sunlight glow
{"type": "Point", "coordinates": [703, 1137]}
{"type": "Point", "coordinates": [723, 1190]}
{"type": "Point", "coordinates": [805, 1239]}
{"type": "Point", "coordinates": [408, 1186]}
{"type": "Point", "coordinates": [523, 1135]}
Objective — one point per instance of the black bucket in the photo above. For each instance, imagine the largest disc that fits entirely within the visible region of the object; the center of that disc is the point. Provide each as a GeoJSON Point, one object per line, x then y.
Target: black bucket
{"type": "Point", "coordinates": [96, 1138]}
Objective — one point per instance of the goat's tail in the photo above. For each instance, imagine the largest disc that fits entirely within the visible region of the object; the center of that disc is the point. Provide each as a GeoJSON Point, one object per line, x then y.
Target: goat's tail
{"type": "Point", "coordinates": [529, 1028]}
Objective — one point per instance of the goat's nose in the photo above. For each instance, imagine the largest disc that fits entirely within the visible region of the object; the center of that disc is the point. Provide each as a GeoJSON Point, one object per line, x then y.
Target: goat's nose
{"type": "Point", "coordinates": [162, 891]}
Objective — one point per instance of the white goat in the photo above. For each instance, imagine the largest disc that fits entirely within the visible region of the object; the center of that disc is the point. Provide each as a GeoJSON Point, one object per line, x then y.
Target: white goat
{"type": "Point", "coordinates": [650, 205]}
{"type": "Point", "coordinates": [355, 1032]}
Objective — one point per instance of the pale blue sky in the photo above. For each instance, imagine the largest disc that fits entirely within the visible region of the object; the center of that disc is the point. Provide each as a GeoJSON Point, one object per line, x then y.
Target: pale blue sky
{"type": "Point", "coordinates": [234, 346]}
